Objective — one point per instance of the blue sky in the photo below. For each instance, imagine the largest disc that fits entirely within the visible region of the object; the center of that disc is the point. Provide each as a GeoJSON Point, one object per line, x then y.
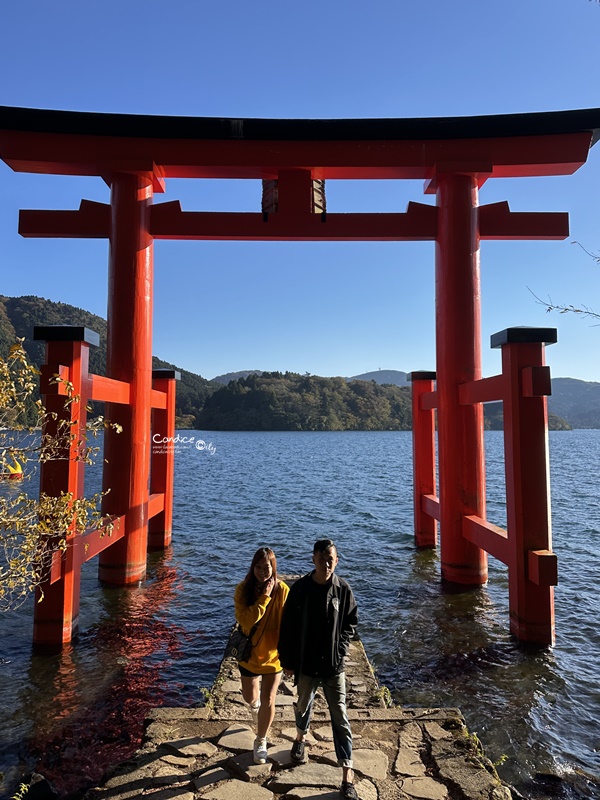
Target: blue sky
{"type": "Point", "coordinates": [323, 308]}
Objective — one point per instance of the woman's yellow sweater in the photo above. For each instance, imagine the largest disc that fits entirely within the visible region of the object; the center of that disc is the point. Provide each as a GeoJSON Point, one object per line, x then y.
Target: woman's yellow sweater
{"type": "Point", "coordinates": [267, 612]}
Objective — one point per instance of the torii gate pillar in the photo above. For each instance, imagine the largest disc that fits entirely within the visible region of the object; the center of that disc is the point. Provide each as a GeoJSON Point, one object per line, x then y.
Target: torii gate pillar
{"type": "Point", "coordinates": [458, 347]}
{"type": "Point", "coordinates": [129, 358]}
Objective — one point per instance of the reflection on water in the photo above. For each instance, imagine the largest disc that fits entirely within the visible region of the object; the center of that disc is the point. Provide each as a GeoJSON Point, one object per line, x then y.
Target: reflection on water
{"type": "Point", "coordinates": [86, 705]}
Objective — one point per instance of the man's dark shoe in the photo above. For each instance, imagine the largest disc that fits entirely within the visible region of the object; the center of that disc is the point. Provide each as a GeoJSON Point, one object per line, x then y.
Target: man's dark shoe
{"type": "Point", "coordinates": [348, 792]}
{"type": "Point", "coordinates": [298, 753]}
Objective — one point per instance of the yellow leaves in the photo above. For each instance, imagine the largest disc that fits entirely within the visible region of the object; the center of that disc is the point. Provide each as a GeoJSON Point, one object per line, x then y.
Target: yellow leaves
{"type": "Point", "coordinates": [32, 529]}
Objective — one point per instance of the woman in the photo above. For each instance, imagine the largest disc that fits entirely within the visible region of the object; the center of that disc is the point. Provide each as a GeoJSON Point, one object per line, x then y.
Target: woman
{"type": "Point", "coordinates": [259, 600]}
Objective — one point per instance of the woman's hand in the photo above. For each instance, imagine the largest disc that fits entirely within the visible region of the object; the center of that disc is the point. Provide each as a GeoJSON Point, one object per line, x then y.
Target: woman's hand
{"type": "Point", "coordinates": [269, 586]}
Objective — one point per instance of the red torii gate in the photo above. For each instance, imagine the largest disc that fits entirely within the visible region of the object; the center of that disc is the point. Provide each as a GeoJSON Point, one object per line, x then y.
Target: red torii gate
{"type": "Point", "coordinates": [135, 154]}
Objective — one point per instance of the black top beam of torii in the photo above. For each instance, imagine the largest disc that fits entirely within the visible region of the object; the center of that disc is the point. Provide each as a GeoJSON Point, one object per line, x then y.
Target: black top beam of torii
{"type": "Point", "coordinates": [84, 123]}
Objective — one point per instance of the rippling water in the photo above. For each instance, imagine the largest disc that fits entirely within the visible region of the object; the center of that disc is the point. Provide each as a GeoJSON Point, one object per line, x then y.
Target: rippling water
{"type": "Point", "coordinates": [74, 713]}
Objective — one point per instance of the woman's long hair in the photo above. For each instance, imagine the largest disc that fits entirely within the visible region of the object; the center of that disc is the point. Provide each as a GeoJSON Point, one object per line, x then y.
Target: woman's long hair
{"type": "Point", "coordinates": [252, 588]}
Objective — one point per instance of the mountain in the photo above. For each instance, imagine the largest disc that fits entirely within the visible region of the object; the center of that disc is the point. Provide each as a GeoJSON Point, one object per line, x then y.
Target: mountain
{"type": "Point", "coordinates": [234, 376]}
{"type": "Point", "coordinates": [390, 376]}
{"type": "Point", "coordinates": [18, 315]}
{"type": "Point", "coordinates": [576, 401]}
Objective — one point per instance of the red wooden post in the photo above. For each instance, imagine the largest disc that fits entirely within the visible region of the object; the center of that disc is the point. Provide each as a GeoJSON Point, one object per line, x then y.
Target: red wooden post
{"type": "Point", "coordinates": [129, 358]}
{"type": "Point", "coordinates": [423, 435]}
{"type": "Point", "coordinates": [532, 568]}
{"type": "Point", "coordinates": [458, 346]}
{"type": "Point", "coordinates": [67, 354]}
{"type": "Point", "coordinates": [162, 471]}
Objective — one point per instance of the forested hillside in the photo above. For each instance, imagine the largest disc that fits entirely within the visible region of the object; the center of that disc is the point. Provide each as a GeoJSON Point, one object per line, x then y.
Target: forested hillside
{"type": "Point", "coordinates": [273, 401]}
{"type": "Point", "coordinates": [19, 315]}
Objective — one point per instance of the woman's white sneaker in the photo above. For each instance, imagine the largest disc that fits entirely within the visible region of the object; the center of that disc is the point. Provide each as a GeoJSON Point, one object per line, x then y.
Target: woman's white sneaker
{"type": "Point", "coordinates": [260, 751]}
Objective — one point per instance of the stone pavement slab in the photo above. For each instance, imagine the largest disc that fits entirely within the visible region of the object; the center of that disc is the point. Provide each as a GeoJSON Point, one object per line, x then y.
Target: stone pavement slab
{"type": "Point", "coordinates": [280, 755]}
{"type": "Point", "coordinates": [408, 762]}
{"type": "Point", "coordinates": [309, 774]}
{"type": "Point", "coordinates": [238, 790]}
{"type": "Point", "coordinates": [366, 790]}
{"type": "Point", "coordinates": [305, 793]}
{"type": "Point", "coordinates": [243, 766]}
{"type": "Point", "coordinates": [237, 737]}
{"type": "Point", "coordinates": [424, 789]}
{"type": "Point", "coordinates": [210, 777]}
{"type": "Point", "coordinates": [196, 746]}
{"type": "Point", "coordinates": [171, 794]}
{"type": "Point", "coordinates": [372, 763]}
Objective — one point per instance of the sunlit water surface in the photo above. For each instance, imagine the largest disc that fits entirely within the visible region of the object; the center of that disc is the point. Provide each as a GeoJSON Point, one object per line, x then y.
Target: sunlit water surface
{"type": "Point", "coordinates": [73, 714]}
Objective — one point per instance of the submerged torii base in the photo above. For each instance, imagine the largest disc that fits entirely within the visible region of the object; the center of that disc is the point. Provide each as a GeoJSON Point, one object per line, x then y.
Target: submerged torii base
{"type": "Point", "coordinates": [526, 544]}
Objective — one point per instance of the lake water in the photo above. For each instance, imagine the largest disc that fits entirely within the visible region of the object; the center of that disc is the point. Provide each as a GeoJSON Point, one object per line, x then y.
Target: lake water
{"type": "Point", "coordinates": [159, 644]}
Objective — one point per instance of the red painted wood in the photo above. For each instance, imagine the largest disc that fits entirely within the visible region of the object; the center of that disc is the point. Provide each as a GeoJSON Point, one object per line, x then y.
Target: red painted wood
{"type": "Point", "coordinates": [163, 465]}
{"type": "Point", "coordinates": [497, 221]}
{"type": "Point", "coordinates": [91, 221]}
{"type": "Point", "coordinates": [542, 567]}
{"type": "Point", "coordinates": [94, 542]}
{"type": "Point", "coordinates": [527, 496]}
{"type": "Point", "coordinates": [431, 505]}
{"type": "Point", "coordinates": [491, 538]}
{"type": "Point", "coordinates": [108, 390]}
{"type": "Point", "coordinates": [170, 222]}
{"type": "Point", "coordinates": [536, 381]}
{"type": "Point", "coordinates": [158, 399]}
{"type": "Point", "coordinates": [74, 154]}
{"type": "Point", "coordinates": [156, 504]}
{"type": "Point", "coordinates": [129, 359]}
{"type": "Point", "coordinates": [458, 346]}
{"type": "Point", "coordinates": [423, 435]}
{"type": "Point", "coordinates": [56, 615]}
{"type": "Point", "coordinates": [429, 401]}
{"type": "Point", "coordinates": [418, 223]}
{"type": "Point", "coordinates": [481, 391]}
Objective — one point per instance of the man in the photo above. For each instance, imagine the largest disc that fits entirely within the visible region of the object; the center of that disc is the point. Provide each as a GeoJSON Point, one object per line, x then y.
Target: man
{"type": "Point", "coordinates": [318, 622]}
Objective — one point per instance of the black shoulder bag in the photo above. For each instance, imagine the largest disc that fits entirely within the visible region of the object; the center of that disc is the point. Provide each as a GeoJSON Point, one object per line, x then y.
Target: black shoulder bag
{"type": "Point", "coordinates": [239, 645]}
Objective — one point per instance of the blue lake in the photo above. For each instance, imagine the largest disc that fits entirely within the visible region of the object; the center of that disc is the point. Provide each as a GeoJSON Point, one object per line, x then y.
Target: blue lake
{"type": "Point", "coordinates": [159, 644]}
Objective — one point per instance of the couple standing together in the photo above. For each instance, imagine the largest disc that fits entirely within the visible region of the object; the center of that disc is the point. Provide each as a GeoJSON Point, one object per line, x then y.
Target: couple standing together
{"type": "Point", "coordinates": [303, 632]}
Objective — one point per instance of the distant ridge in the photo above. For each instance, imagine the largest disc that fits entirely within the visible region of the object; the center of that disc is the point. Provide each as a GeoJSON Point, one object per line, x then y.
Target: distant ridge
{"type": "Point", "coordinates": [388, 376]}
{"type": "Point", "coordinates": [392, 377]}
{"type": "Point", "coordinates": [576, 401]}
{"type": "Point", "coordinates": [234, 376]}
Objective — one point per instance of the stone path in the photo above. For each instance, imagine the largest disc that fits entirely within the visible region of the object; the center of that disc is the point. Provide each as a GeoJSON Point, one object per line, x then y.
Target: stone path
{"type": "Point", "coordinates": [399, 753]}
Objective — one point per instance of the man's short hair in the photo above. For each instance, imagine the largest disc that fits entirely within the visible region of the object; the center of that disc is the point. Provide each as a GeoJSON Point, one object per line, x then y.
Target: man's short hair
{"type": "Point", "coordinates": [322, 545]}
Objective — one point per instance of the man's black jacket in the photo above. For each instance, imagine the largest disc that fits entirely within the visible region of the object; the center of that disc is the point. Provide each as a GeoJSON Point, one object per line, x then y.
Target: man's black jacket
{"type": "Point", "coordinates": [296, 646]}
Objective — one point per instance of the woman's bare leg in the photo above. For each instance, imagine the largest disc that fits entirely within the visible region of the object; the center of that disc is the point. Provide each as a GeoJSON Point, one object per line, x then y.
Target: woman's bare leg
{"type": "Point", "coordinates": [266, 712]}
{"type": "Point", "coordinates": [251, 689]}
